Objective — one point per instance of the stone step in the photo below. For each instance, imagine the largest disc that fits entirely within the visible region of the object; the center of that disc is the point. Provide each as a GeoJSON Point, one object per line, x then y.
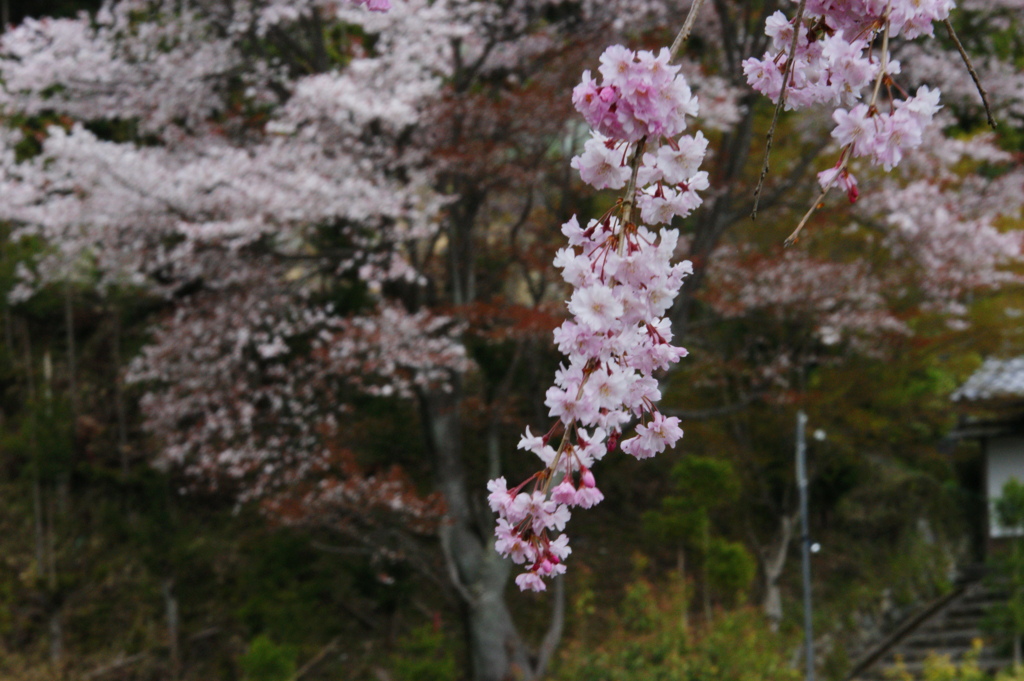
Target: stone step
{"type": "Point", "coordinates": [961, 610]}
{"type": "Point", "coordinates": [987, 598]}
{"type": "Point", "coordinates": [943, 637]}
{"type": "Point", "coordinates": [951, 629]}
{"type": "Point", "coordinates": [955, 653]}
{"type": "Point", "coordinates": [947, 622]}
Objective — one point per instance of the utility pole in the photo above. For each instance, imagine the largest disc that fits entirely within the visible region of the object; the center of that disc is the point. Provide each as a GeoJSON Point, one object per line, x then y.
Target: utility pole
{"type": "Point", "coordinates": [805, 543]}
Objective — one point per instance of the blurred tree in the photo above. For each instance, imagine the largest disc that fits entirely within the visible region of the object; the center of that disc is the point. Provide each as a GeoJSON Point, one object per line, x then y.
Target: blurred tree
{"type": "Point", "coordinates": [700, 486]}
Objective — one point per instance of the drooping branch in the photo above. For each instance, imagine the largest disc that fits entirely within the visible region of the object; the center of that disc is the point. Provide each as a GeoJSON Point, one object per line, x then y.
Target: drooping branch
{"type": "Point", "coordinates": [970, 69]}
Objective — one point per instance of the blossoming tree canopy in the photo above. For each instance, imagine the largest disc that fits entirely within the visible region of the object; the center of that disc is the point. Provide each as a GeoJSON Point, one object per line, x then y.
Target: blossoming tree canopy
{"type": "Point", "coordinates": [282, 213]}
{"type": "Point", "coordinates": [226, 186]}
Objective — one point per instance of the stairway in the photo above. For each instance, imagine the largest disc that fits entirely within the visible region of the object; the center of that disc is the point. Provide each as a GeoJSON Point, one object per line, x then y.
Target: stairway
{"type": "Point", "coordinates": [948, 627]}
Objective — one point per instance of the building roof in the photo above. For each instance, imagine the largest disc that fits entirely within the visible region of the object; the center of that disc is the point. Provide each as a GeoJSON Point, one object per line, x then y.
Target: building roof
{"type": "Point", "coordinates": [997, 379]}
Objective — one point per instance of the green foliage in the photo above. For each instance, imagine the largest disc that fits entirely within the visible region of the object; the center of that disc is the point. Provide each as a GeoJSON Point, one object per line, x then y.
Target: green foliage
{"type": "Point", "coordinates": [1010, 505]}
{"type": "Point", "coordinates": [730, 568]}
{"type": "Point", "coordinates": [425, 654]}
{"type": "Point", "coordinates": [705, 481]}
{"type": "Point", "coordinates": [655, 643]}
{"type": "Point", "coordinates": [1009, 566]}
{"type": "Point", "coordinates": [700, 486]}
{"type": "Point", "coordinates": [740, 647]}
{"type": "Point", "coordinates": [942, 668]}
{"type": "Point", "coordinates": [639, 611]}
{"type": "Point", "coordinates": [1011, 675]}
{"type": "Point", "coordinates": [267, 661]}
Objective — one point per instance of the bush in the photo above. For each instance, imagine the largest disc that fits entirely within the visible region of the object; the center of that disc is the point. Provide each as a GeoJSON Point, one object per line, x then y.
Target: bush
{"type": "Point", "coordinates": [654, 643]}
{"type": "Point", "coordinates": [425, 655]}
{"type": "Point", "coordinates": [267, 661]}
{"type": "Point", "coordinates": [942, 668]}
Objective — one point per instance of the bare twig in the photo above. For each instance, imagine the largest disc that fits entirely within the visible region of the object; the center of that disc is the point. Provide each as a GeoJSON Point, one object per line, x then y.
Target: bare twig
{"type": "Point", "coordinates": [684, 32]}
{"type": "Point", "coordinates": [791, 239]}
{"type": "Point", "coordinates": [116, 665]}
{"type": "Point", "coordinates": [970, 69]}
{"type": "Point", "coordinates": [317, 659]}
{"type": "Point", "coordinates": [778, 106]}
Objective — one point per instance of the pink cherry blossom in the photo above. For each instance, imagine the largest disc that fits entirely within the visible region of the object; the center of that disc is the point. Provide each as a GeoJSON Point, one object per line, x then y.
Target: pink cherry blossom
{"type": "Point", "coordinates": [624, 281]}
{"type": "Point", "coordinates": [836, 64]}
{"type": "Point", "coordinates": [602, 165]}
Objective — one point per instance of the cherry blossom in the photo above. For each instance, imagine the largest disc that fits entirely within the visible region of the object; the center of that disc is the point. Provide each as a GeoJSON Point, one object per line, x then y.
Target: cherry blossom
{"type": "Point", "coordinates": [640, 95]}
{"type": "Point", "coordinates": [624, 282]}
{"type": "Point", "coordinates": [845, 302]}
{"type": "Point", "coordinates": [835, 63]}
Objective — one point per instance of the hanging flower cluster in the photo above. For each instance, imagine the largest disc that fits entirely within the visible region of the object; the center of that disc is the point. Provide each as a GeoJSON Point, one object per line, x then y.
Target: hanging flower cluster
{"type": "Point", "coordinates": [623, 282]}
{"type": "Point", "coordinates": [835, 61]}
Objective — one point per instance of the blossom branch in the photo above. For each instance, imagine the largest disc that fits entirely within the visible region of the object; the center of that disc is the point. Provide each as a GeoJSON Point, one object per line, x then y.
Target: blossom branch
{"type": "Point", "coordinates": [769, 138]}
{"type": "Point", "coordinates": [831, 62]}
{"type": "Point", "coordinates": [624, 283]}
{"type": "Point", "coordinates": [847, 150]}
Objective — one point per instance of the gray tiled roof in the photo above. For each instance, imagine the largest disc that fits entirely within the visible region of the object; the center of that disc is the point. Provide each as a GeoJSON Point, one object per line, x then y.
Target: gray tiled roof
{"type": "Point", "coordinates": [997, 378]}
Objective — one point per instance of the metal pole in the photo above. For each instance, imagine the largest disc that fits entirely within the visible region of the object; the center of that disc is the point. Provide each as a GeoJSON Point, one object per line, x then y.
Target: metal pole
{"type": "Point", "coordinates": [805, 544]}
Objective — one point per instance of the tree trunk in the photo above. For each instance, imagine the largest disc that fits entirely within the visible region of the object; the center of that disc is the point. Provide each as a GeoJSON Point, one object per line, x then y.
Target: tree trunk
{"type": "Point", "coordinates": [478, 573]}
{"type": "Point", "coordinates": [122, 420]}
{"type": "Point", "coordinates": [56, 632]}
{"type": "Point", "coordinates": [69, 324]}
{"type": "Point", "coordinates": [684, 615]}
{"type": "Point", "coordinates": [706, 541]}
{"type": "Point", "coordinates": [773, 559]}
{"type": "Point", "coordinates": [37, 517]}
{"type": "Point", "coordinates": [173, 636]}
{"type": "Point", "coordinates": [37, 492]}
{"type": "Point", "coordinates": [56, 640]}
{"type": "Point", "coordinates": [554, 635]}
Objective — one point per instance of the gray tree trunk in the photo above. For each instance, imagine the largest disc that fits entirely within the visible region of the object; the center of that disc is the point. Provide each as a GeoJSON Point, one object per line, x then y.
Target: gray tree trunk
{"type": "Point", "coordinates": [478, 573]}
{"type": "Point", "coordinates": [773, 559]}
